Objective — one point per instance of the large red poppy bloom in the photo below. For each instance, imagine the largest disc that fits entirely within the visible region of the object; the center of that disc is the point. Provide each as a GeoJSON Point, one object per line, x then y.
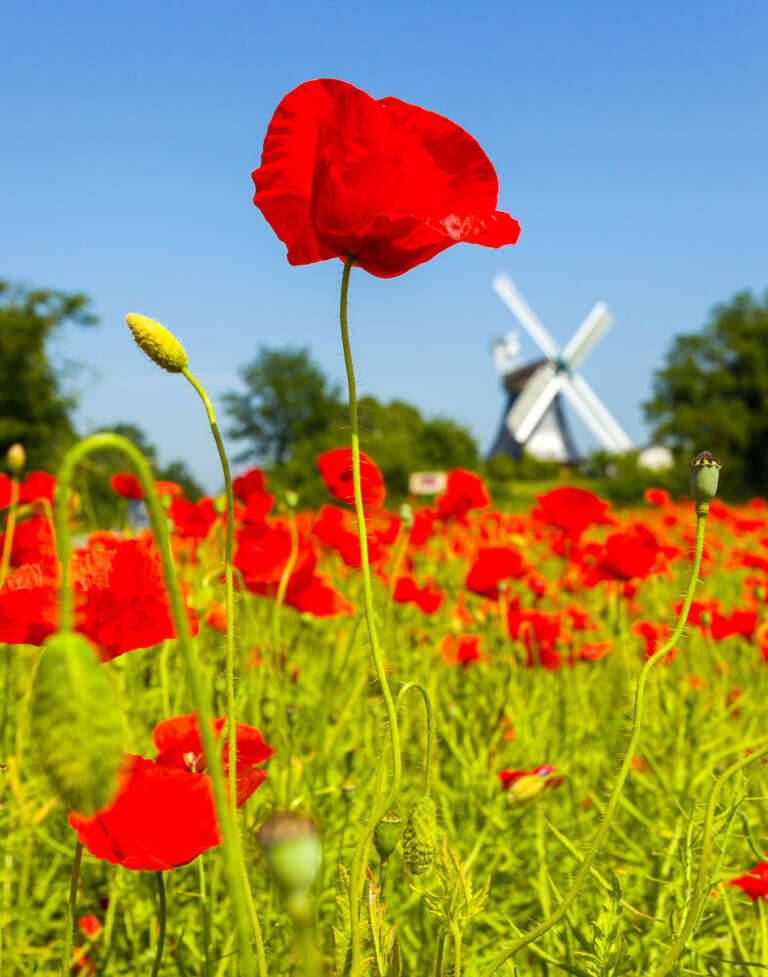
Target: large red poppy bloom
{"type": "Point", "coordinates": [336, 469]}
{"type": "Point", "coordinates": [572, 509]}
{"type": "Point", "coordinates": [387, 182]}
{"type": "Point", "coordinates": [161, 817]}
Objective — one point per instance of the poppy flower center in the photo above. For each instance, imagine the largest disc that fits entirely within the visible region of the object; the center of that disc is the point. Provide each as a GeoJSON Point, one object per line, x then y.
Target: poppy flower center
{"type": "Point", "coordinates": [194, 762]}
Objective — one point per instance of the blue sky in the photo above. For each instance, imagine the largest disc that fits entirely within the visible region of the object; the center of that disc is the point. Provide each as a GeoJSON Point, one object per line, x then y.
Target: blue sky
{"type": "Point", "coordinates": [630, 142]}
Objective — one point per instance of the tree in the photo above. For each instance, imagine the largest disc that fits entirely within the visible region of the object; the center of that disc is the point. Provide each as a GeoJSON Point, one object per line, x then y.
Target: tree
{"type": "Point", "coordinates": [288, 400]}
{"type": "Point", "coordinates": [712, 394]}
{"type": "Point", "coordinates": [35, 410]}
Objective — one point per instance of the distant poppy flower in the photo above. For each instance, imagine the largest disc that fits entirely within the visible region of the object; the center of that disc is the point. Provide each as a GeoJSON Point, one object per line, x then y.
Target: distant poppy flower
{"type": "Point", "coordinates": [387, 182]}
{"type": "Point", "coordinates": [428, 598]}
{"type": "Point", "coordinates": [755, 882]}
{"type": "Point", "coordinates": [460, 649]}
{"type": "Point", "coordinates": [595, 651]}
{"type": "Point", "coordinates": [627, 555]}
{"type": "Point", "coordinates": [126, 485]}
{"type": "Point", "coordinates": [317, 597]}
{"type": "Point", "coordinates": [423, 525]}
{"type": "Point", "coordinates": [738, 622]}
{"type": "Point", "coordinates": [216, 617]}
{"type": "Point", "coordinates": [170, 489]}
{"type": "Point", "coordinates": [160, 818]}
{"type": "Point", "coordinates": [492, 565]}
{"type": "Point", "coordinates": [179, 746]}
{"type": "Point", "coordinates": [249, 488]}
{"type": "Point", "coordinates": [32, 542]}
{"type": "Point", "coordinates": [28, 604]}
{"type": "Point", "coordinates": [656, 496]}
{"type": "Point", "coordinates": [463, 491]}
{"type": "Point", "coordinates": [333, 529]}
{"type": "Point", "coordinates": [193, 520]}
{"type": "Point", "coordinates": [524, 785]}
{"type": "Point", "coordinates": [37, 485]}
{"type": "Point", "coordinates": [336, 469]}
{"type": "Point", "coordinates": [572, 509]}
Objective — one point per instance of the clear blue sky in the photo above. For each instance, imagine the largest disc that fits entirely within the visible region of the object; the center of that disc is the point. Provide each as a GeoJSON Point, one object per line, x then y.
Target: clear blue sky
{"type": "Point", "coordinates": [630, 142]}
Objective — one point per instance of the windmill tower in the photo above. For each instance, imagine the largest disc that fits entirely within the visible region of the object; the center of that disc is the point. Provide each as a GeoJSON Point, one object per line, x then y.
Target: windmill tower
{"type": "Point", "coordinates": [534, 417]}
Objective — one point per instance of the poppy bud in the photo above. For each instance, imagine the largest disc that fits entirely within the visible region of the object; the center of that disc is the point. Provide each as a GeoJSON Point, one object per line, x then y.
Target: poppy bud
{"type": "Point", "coordinates": [291, 499]}
{"type": "Point", "coordinates": [525, 788]}
{"type": "Point", "coordinates": [15, 459]}
{"type": "Point", "coordinates": [387, 834]}
{"type": "Point", "coordinates": [76, 727]}
{"type": "Point", "coordinates": [292, 854]}
{"type": "Point", "coordinates": [704, 472]}
{"type": "Point", "coordinates": [161, 346]}
{"type": "Point", "coordinates": [420, 836]}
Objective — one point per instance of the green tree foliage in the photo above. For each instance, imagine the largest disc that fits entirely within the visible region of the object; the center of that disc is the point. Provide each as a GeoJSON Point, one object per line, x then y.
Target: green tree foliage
{"type": "Point", "coordinates": [288, 400]}
{"type": "Point", "coordinates": [292, 412]}
{"type": "Point", "coordinates": [712, 394]}
{"type": "Point", "coordinates": [35, 409]}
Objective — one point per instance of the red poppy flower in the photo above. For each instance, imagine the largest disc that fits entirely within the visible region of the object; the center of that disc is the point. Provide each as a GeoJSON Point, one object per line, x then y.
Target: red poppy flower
{"type": "Point", "coordinates": [390, 183]}
{"type": "Point", "coordinates": [161, 817]}
{"type": "Point", "coordinates": [249, 488]}
{"type": "Point", "coordinates": [627, 555]}
{"type": "Point", "coordinates": [332, 529]}
{"type": "Point", "coordinates": [127, 485]}
{"type": "Point", "coordinates": [178, 745]}
{"type": "Point", "coordinates": [336, 468]}
{"type": "Point", "coordinates": [192, 520]}
{"type": "Point", "coordinates": [572, 509]}
{"type": "Point", "coordinates": [738, 622]}
{"type": "Point", "coordinates": [755, 883]}
{"type": "Point", "coordinates": [216, 617]}
{"type": "Point", "coordinates": [460, 649]}
{"type": "Point", "coordinates": [656, 496]}
{"type": "Point", "coordinates": [463, 491]}
{"type": "Point", "coordinates": [32, 542]}
{"type": "Point", "coordinates": [427, 598]}
{"type": "Point", "coordinates": [28, 606]}
{"type": "Point", "coordinates": [317, 597]}
{"type": "Point", "coordinates": [37, 485]}
{"type": "Point", "coordinates": [492, 565]}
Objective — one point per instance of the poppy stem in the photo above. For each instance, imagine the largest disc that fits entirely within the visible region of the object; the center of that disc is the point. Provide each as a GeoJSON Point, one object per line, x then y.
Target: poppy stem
{"type": "Point", "coordinates": [233, 854]}
{"type": "Point", "coordinates": [10, 526]}
{"type": "Point", "coordinates": [701, 885]}
{"type": "Point", "coordinates": [161, 931]}
{"type": "Point", "coordinates": [379, 807]}
{"type": "Point", "coordinates": [229, 591]}
{"type": "Point", "coordinates": [584, 869]}
{"type": "Point", "coordinates": [66, 963]}
{"type": "Point", "coordinates": [430, 733]}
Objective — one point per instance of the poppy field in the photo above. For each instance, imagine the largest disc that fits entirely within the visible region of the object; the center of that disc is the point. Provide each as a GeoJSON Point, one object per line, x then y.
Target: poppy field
{"type": "Point", "coordinates": [436, 739]}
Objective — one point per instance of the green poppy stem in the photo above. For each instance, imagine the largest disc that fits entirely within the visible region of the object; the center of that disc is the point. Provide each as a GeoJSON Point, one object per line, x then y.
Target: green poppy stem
{"type": "Point", "coordinates": [379, 806]}
{"type": "Point", "coordinates": [584, 869]}
{"type": "Point", "coordinates": [10, 527]}
{"type": "Point", "coordinates": [162, 920]}
{"type": "Point", "coordinates": [69, 936]}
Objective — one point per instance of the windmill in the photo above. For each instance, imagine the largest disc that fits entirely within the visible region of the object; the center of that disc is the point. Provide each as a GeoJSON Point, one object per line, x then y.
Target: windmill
{"type": "Point", "coordinates": [534, 415]}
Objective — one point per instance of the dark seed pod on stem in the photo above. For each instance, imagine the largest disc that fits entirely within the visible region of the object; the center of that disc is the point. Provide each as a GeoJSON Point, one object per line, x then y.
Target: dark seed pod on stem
{"type": "Point", "coordinates": [76, 727]}
{"type": "Point", "coordinates": [420, 836]}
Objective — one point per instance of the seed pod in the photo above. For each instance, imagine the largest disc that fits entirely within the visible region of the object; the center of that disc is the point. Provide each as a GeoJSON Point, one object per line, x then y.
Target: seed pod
{"type": "Point", "coordinates": [160, 345]}
{"type": "Point", "coordinates": [15, 459]}
{"type": "Point", "coordinates": [387, 834]}
{"type": "Point", "coordinates": [704, 471]}
{"type": "Point", "coordinates": [420, 836]}
{"type": "Point", "coordinates": [76, 727]}
{"type": "Point", "coordinates": [292, 854]}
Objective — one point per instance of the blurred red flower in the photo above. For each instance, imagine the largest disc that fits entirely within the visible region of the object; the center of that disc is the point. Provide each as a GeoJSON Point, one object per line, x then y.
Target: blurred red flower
{"type": "Point", "coordinates": [460, 649]}
{"type": "Point", "coordinates": [572, 509]}
{"type": "Point", "coordinates": [428, 598]}
{"type": "Point", "coordinates": [755, 883]}
{"type": "Point", "coordinates": [387, 182]}
{"type": "Point", "coordinates": [492, 565]}
{"type": "Point", "coordinates": [463, 491]}
{"type": "Point", "coordinates": [127, 485]}
{"type": "Point", "coordinates": [160, 818]}
{"type": "Point", "coordinates": [192, 520]}
{"type": "Point", "coordinates": [336, 468]}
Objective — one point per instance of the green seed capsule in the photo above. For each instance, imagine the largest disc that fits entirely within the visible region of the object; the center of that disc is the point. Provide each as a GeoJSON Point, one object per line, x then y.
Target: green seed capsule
{"type": "Point", "coordinates": [704, 471]}
{"type": "Point", "coordinates": [76, 727]}
{"type": "Point", "coordinates": [293, 854]}
{"type": "Point", "coordinates": [160, 345]}
{"type": "Point", "coordinates": [387, 834]}
{"type": "Point", "coordinates": [420, 836]}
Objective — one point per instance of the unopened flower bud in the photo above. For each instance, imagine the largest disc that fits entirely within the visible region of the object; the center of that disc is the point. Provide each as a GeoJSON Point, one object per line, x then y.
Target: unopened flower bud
{"type": "Point", "coordinates": [161, 346]}
{"type": "Point", "coordinates": [704, 473]}
{"type": "Point", "coordinates": [15, 459]}
{"type": "Point", "coordinates": [420, 836]}
{"type": "Point", "coordinates": [291, 499]}
{"type": "Point", "coordinates": [292, 854]}
{"type": "Point", "coordinates": [525, 788]}
{"type": "Point", "coordinates": [387, 834]}
{"type": "Point", "coordinates": [76, 727]}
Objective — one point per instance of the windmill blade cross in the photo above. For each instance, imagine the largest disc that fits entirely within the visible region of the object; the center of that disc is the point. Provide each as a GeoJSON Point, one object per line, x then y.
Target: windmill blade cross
{"type": "Point", "coordinates": [595, 415]}
{"type": "Point", "coordinates": [588, 333]}
{"type": "Point", "coordinates": [533, 402]}
{"type": "Point", "coordinates": [509, 294]}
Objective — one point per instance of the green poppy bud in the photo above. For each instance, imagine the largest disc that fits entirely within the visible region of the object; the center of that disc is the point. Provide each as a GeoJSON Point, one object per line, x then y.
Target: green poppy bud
{"type": "Point", "coordinates": [292, 854]}
{"type": "Point", "coordinates": [420, 836]}
{"type": "Point", "coordinates": [704, 473]}
{"type": "Point", "coordinates": [387, 834]}
{"type": "Point", "coordinates": [161, 346]}
{"type": "Point", "coordinates": [525, 788]}
{"type": "Point", "coordinates": [15, 459]}
{"type": "Point", "coordinates": [76, 728]}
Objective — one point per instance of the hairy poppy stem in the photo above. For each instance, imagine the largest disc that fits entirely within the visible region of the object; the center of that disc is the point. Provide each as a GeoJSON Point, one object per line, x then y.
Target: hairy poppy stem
{"type": "Point", "coordinates": [233, 854]}
{"type": "Point", "coordinates": [10, 527]}
{"type": "Point", "coordinates": [584, 869]}
{"type": "Point", "coordinates": [161, 931]}
{"type": "Point", "coordinates": [229, 591]}
{"type": "Point", "coordinates": [430, 733]}
{"type": "Point", "coordinates": [378, 807]}
{"type": "Point", "coordinates": [701, 886]}
{"type": "Point", "coordinates": [66, 963]}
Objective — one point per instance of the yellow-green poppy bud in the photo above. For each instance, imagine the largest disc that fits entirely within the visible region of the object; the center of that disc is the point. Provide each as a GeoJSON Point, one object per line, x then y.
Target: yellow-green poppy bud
{"type": "Point", "coordinates": [387, 834]}
{"type": "Point", "coordinates": [160, 345]}
{"type": "Point", "coordinates": [525, 788]}
{"type": "Point", "coordinates": [16, 459]}
{"type": "Point", "coordinates": [76, 728]}
{"type": "Point", "coordinates": [704, 473]}
{"type": "Point", "coordinates": [420, 836]}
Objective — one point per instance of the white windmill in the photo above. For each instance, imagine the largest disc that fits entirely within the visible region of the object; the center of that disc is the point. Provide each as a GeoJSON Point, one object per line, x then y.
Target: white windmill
{"type": "Point", "coordinates": [534, 415]}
